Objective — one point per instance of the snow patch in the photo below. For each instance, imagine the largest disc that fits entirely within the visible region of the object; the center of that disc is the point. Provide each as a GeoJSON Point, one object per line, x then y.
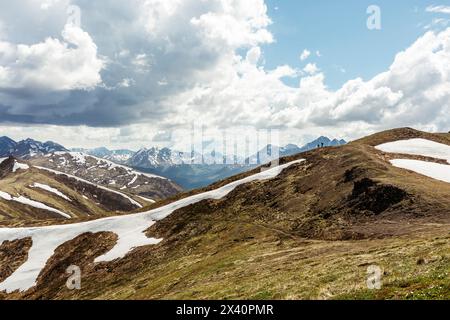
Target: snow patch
{"type": "Point", "coordinates": [430, 169]}
{"type": "Point", "coordinates": [420, 147]}
{"type": "Point", "coordinates": [20, 166]}
{"type": "Point", "coordinates": [82, 158]}
{"type": "Point", "coordinates": [146, 199]}
{"type": "Point", "coordinates": [32, 203]}
{"type": "Point", "coordinates": [133, 180]}
{"type": "Point", "coordinates": [50, 189]}
{"type": "Point", "coordinates": [92, 184]}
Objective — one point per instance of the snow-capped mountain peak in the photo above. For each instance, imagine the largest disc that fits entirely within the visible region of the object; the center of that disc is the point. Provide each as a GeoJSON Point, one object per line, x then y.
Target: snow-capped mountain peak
{"type": "Point", "coordinates": [27, 148]}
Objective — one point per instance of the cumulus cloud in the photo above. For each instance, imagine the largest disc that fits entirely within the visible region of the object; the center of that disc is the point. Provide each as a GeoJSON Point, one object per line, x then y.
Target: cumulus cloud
{"type": "Point", "coordinates": [149, 66]}
{"type": "Point", "coordinates": [413, 92]}
{"type": "Point", "coordinates": [439, 9]}
{"type": "Point", "coordinates": [311, 68]}
{"type": "Point", "coordinates": [52, 65]}
{"type": "Point", "coordinates": [135, 56]}
{"type": "Point", "coordinates": [305, 55]}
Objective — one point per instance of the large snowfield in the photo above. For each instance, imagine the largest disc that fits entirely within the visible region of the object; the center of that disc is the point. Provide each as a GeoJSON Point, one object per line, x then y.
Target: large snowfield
{"type": "Point", "coordinates": [421, 147]}
{"type": "Point", "coordinates": [129, 229]}
{"type": "Point", "coordinates": [430, 169]}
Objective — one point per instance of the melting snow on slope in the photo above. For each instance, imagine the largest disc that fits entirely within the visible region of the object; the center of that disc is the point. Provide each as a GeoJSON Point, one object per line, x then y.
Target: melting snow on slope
{"type": "Point", "coordinates": [18, 166]}
{"type": "Point", "coordinates": [421, 147]}
{"type": "Point", "coordinates": [81, 158]}
{"type": "Point", "coordinates": [129, 229]}
{"type": "Point", "coordinates": [32, 203]}
{"type": "Point", "coordinates": [430, 169]}
{"type": "Point", "coordinates": [50, 189]}
{"type": "Point", "coordinates": [133, 180]}
{"type": "Point", "coordinates": [147, 200]}
{"type": "Point", "coordinates": [92, 184]}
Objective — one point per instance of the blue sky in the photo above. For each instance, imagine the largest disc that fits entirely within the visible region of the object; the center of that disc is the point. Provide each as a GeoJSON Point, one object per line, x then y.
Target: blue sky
{"type": "Point", "coordinates": [338, 30]}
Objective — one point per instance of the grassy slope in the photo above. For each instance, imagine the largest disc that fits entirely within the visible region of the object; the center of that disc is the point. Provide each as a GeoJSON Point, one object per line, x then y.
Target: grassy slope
{"type": "Point", "coordinates": [297, 236]}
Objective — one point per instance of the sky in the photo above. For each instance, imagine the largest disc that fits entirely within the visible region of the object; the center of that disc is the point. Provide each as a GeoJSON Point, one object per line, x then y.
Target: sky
{"type": "Point", "coordinates": [141, 73]}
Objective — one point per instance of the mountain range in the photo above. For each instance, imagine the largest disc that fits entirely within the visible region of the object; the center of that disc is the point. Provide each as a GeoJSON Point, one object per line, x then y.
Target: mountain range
{"type": "Point", "coordinates": [159, 157]}
{"type": "Point", "coordinates": [312, 228]}
{"type": "Point", "coordinates": [96, 170]}
{"type": "Point", "coordinates": [175, 165]}
{"type": "Point", "coordinates": [121, 156]}
{"type": "Point", "coordinates": [106, 173]}
{"type": "Point", "coordinates": [27, 148]}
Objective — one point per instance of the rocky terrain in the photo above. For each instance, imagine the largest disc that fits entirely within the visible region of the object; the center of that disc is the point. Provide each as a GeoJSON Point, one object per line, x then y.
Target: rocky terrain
{"type": "Point", "coordinates": [109, 174]}
{"type": "Point", "coordinates": [118, 156]}
{"type": "Point", "coordinates": [28, 148]}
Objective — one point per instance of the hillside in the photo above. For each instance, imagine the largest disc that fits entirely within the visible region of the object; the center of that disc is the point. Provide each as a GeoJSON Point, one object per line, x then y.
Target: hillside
{"type": "Point", "coordinates": [109, 174]}
{"type": "Point", "coordinates": [307, 231]}
{"type": "Point", "coordinates": [30, 195]}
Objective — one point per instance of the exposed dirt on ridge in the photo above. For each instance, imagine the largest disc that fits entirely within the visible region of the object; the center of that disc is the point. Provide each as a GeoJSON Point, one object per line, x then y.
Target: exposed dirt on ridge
{"type": "Point", "coordinates": [369, 195]}
{"type": "Point", "coordinates": [108, 200]}
{"type": "Point", "coordinates": [12, 255]}
{"type": "Point", "coordinates": [79, 252]}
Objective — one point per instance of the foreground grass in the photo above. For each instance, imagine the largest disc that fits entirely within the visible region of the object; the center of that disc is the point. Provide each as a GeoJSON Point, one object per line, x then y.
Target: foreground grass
{"type": "Point", "coordinates": [416, 268]}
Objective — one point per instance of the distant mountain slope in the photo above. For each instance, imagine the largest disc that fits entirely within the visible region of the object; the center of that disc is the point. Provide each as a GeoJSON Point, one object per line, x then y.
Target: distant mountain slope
{"type": "Point", "coordinates": [156, 157]}
{"type": "Point", "coordinates": [309, 231]}
{"type": "Point", "coordinates": [27, 148]}
{"type": "Point", "coordinates": [191, 177]}
{"type": "Point", "coordinates": [30, 194]}
{"type": "Point", "coordinates": [7, 146]}
{"type": "Point", "coordinates": [268, 153]}
{"type": "Point", "coordinates": [109, 174]}
{"type": "Point", "coordinates": [118, 156]}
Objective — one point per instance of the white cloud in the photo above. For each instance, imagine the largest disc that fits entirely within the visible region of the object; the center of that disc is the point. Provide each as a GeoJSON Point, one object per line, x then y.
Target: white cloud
{"type": "Point", "coordinates": [126, 83]}
{"type": "Point", "coordinates": [239, 23]}
{"type": "Point", "coordinates": [305, 55]}
{"type": "Point", "coordinates": [142, 63]}
{"type": "Point", "coordinates": [311, 68]}
{"type": "Point", "coordinates": [53, 64]}
{"type": "Point", "coordinates": [47, 4]}
{"type": "Point", "coordinates": [439, 9]}
{"type": "Point", "coordinates": [253, 55]}
{"type": "Point", "coordinates": [437, 22]}
{"type": "Point", "coordinates": [167, 46]}
{"type": "Point", "coordinates": [413, 92]}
